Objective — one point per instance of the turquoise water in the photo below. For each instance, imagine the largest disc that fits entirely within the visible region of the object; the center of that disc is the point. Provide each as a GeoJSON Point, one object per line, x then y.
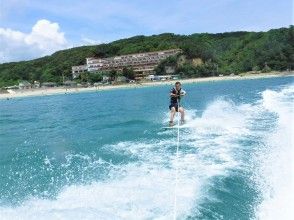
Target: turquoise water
{"type": "Point", "coordinates": [104, 155]}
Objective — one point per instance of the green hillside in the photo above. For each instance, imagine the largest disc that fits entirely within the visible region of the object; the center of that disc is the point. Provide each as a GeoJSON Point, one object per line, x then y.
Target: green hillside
{"type": "Point", "coordinates": [225, 53]}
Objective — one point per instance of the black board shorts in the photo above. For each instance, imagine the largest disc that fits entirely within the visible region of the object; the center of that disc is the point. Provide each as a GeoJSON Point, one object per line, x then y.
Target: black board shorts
{"type": "Point", "coordinates": [175, 105]}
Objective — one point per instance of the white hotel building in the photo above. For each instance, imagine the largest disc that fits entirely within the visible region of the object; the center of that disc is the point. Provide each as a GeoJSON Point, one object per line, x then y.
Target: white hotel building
{"type": "Point", "coordinates": [143, 64]}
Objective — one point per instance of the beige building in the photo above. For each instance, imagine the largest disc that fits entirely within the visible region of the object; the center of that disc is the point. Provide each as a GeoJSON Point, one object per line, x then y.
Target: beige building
{"type": "Point", "coordinates": [77, 70]}
{"type": "Point", "coordinates": [143, 64]}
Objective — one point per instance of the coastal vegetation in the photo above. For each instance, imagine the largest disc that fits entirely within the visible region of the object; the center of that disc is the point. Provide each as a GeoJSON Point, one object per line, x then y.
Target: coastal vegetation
{"type": "Point", "coordinates": [203, 55]}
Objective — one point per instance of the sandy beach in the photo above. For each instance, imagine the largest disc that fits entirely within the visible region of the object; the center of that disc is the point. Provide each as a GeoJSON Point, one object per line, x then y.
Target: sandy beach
{"type": "Point", "coordinates": [63, 90]}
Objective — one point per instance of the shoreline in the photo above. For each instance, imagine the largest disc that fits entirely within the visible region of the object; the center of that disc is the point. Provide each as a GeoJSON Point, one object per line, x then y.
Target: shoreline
{"type": "Point", "coordinates": [63, 90]}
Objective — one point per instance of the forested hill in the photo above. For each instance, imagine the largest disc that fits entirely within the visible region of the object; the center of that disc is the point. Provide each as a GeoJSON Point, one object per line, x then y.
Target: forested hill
{"type": "Point", "coordinates": [228, 52]}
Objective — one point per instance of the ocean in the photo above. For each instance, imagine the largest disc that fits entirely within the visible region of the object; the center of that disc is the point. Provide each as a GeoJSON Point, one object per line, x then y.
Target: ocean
{"type": "Point", "coordinates": [105, 155]}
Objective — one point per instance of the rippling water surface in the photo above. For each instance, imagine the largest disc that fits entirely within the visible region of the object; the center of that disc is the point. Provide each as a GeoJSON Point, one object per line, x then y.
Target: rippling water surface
{"type": "Point", "coordinates": [105, 155]}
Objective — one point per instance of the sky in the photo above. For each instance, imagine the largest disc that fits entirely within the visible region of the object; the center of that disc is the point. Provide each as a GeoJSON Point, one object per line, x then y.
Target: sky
{"type": "Point", "coordinates": [34, 28]}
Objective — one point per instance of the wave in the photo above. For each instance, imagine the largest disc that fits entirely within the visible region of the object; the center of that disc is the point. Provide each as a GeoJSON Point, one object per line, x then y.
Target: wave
{"type": "Point", "coordinates": [275, 162]}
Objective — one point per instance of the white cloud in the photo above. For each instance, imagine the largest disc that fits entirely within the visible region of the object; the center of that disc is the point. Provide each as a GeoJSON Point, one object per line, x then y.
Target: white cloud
{"type": "Point", "coordinates": [46, 36]}
{"type": "Point", "coordinates": [44, 39]}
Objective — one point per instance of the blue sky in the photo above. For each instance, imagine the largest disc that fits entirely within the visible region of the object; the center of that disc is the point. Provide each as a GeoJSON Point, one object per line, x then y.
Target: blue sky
{"type": "Point", "coordinates": [46, 26]}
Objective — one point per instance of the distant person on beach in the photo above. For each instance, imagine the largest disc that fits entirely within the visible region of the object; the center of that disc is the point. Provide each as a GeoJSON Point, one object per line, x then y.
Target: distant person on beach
{"type": "Point", "coordinates": [175, 96]}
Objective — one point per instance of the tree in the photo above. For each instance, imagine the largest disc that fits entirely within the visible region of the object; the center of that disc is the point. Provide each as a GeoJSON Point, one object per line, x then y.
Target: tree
{"type": "Point", "coordinates": [95, 77]}
{"type": "Point", "coordinates": [169, 61]}
{"type": "Point", "coordinates": [84, 77]}
{"type": "Point", "coordinates": [266, 68]}
{"type": "Point", "coordinates": [113, 75]}
{"type": "Point", "coordinates": [255, 69]}
{"type": "Point", "coordinates": [47, 76]}
{"type": "Point", "coordinates": [128, 73]}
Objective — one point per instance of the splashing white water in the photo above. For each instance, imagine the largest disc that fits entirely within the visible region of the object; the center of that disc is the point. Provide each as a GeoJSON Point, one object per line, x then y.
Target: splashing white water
{"type": "Point", "coordinates": [276, 160]}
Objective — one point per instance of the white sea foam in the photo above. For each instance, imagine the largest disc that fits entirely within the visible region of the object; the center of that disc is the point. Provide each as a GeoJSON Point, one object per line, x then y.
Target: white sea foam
{"type": "Point", "coordinates": [276, 160]}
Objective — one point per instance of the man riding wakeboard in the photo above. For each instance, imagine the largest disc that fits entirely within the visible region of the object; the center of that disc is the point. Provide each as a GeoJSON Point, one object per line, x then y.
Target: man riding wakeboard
{"type": "Point", "coordinates": [175, 96]}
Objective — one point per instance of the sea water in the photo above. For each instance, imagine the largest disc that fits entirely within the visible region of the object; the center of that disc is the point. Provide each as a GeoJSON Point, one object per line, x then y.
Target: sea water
{"type": "Point", "coordinates": [104, 155]}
